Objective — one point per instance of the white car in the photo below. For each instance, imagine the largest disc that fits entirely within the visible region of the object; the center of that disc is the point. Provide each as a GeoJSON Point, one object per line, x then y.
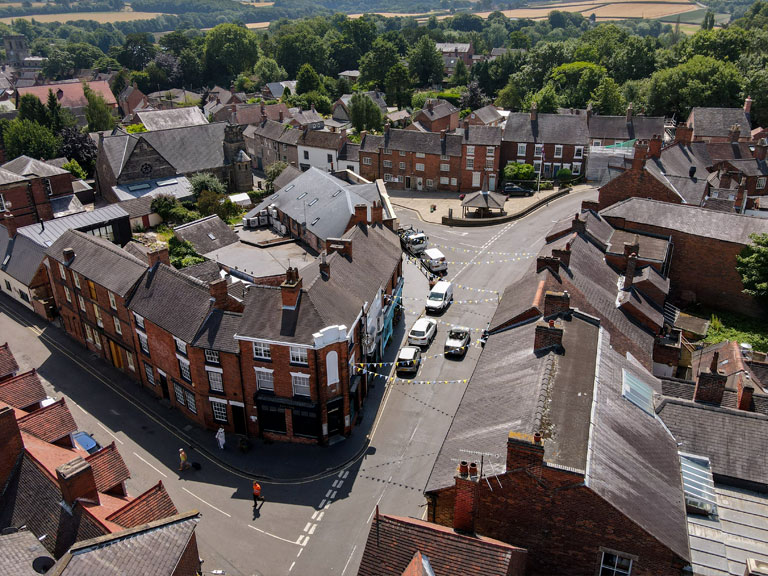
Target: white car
{"type": "Point", "coordinates": [457, 341]}
{"type": "Point", "coordinates": [423, 332]}
{"type": "Point", "coordinates": [409, 360]}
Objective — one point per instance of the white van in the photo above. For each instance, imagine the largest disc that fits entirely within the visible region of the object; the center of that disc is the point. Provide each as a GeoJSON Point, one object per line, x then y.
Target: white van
{"type": "Point", "coordinates": [440, 297]}
{"type": "Point", "coordinates": [434, 260]}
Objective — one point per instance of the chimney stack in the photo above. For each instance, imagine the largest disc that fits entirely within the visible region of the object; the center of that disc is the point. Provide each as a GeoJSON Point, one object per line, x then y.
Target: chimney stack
{"type": "Point", "coordinates": [534, 112]}
{"type": "Point", "coordinates": [77, 482]}
{"type": "Point", "coordinates": [578, 225]}
{"type": "Point", "coordinates": [563, 254]}
{"type": "Point", "coordinates": [734, 133]}
{"type": "Point", "coordinates": [386, 128]}
{"type": "Point", "coordinates": [683, 134]}
{"type": "Point", "coordinates": [632, 247]}
{"type": "Point", "coordinates": [442, 136]}
{"type": "Point", "coordinates": [556, 303]}
{"type": "Point", "coordinates": [589, 113]}
{"type": "Point", "coordinates": [325, 268]}
{"type": "Point", "coordinates": [746, 389]}
{"type": "Point", "coordinates": [466, 128]}
{"type": "Point", "coordinates": [760, 149]}
{"type": "Point", "coordinates": [550, 262]}
{"type": "Point", "coordinates": [711, 384]}
{"type": "Point", "coordinates": [11, 444]}
{"type": "Point", "coordinates": [465, 502]}
{"type": "Point", "coordinates": [654, 146]}
{"type": "Point", "coordinates": [629, 273]}
{"type": "Point", "coordinates": [290, 290]}
{"type": "Point", "coordinates": [430, 105]}
{"type": "Point", "coordinates": [524, 451]}
{"type": "Point", "coordinates": [748, 105]}
{"type": "Point", "coordinates": [280, 115]}
{"type": "Point", "coordinates": [157, 255]}
{"type": "Point", "coordinates": [68, 255]}
{"type": "Point", "coordinates": [10, 222]}
{"type": "Point", "coordinates": [640, 153]}
{"type": "Point", "coordinates": [377, 213]}
{"type": "Point", "coordinates": [360, 216]}
{"type": "Point", "coordinates": [629, 113]}
{"type": "Point", "coordinates": [218, 291]}
{"type": "Point", "coordinates": [342, 246]}
{"type": "Point", "coordinates": [549, 336]}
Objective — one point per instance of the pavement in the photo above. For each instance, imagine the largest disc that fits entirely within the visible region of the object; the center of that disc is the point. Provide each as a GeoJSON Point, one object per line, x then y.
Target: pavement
{"type": "Point", "coordinates": [445, 202]}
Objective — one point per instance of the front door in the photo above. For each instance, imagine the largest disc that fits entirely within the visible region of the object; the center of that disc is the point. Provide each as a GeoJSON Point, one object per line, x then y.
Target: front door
{"type": "Point", "coordinates": [475, 179]}
{"type": "Point", "coordinates": [117, 358]}
{"type": "Point", "coordinates": [407, 182]}
{"type": "Point", "coordinates": [492, 182]}
{"type": "Point", "coordinates": [259, 163]}
{"type": "Point", "coordinates": [238, 419]}
{"type": "Point", "coordinates": [335, 417]}
{"type": "Point", "coordinates": [164, 385]}
{"type": "Point", "coordinates": [419, 183]}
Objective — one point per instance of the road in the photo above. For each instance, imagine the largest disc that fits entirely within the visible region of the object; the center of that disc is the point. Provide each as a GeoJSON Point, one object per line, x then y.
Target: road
{"type": "Point", "coordinates": [318, 527]}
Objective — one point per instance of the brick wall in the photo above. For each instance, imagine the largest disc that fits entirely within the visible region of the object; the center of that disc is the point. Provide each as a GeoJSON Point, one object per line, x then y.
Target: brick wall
{"type": "Point", "coordinates": [480, 165]}
{"type": "Point", "coordinates": [568, 156]}
{"type": "Point", "coordinates": [431, 170]}
{"type": "Point", "coordinates": [561, 523]}
{"type": "Point", "coordinates": [11, 445]}
{"type": "Point", "coordinates": [189, 563]}
{"type": "Point", "coordinates": [232, 384]}
{"type": "Point", "coordinates": [29, 200]}
{"type": "Point", "coordinates": [636, 183]}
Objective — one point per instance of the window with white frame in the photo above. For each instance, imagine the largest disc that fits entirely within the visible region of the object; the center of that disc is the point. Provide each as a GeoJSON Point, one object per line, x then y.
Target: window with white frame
{"type": "Point", "coordinates": [191, 401]}
{"type": "Point", "coordinates": [67, 294]}
{"type": "Point", "coordinates": [118, 328]}
{"type": "Point", "coordinates": [399, 178]}
{"type": "Point", "coordinates": [444, 180]}
{"type": "Point", "coordinates": [265, 380]}
{"type": "Point", "coordinates": [96, 340]}
{"type": "Point", "coordinates": [215, 380]}
{"type": "Point", "coordinates": [576, 170]}
{"type": "Point", "coordinates": [387, 177]}
{"type": "Point", "coordinates": [131, 364]}
{"type": "Point", "coordinates": [470, 163]}
{"type": "Point", "coordinates": [76, 279]}
{"type": "Point", "coordinates": [112, 303]}
{"type": "Point", "coordinates": [62, 272]}
{"type": "Point", "coordinates": [420, 155]}
{"type": "Point", "coordinates": [367, 160]}
{"type": "Point", "coordinates": [597, 143]}
{"type": "Point", "coordinates": [761, 183]}
{"type": "Point", "coordinates": [558, 151]}
{"type": "Point", "coordinates": [402, 165]}
{"type": "Point", "coordinates": [97, 313]}
{"type": "Point", "coordinates": [537, 150]}
{"type": "Point", "coordinates": [184, 370]}
{"type": "Point", "coordinates": [139, 320]}
{"type": "Point", "coordinates": [489, 164]}
{"type": "Point", "coordinates": [612, 564]}
{"type": "Point", "coordinates": [261, 351]}
{"type": "Point", "coordinates": [578, 152]}
{"type": "Point", "coordinates": [300, 384]}
{"type": "Point", "coordinates": [181, 346]}
{"type": "Point", "coordinates": [470, 150]}
{"type": "Point", "coordinates": [522, 149]}
{"type": "Point", "coordinates": [430, 183]}
{"type": "Point", "coordinates": [402, 152]}
{"type": "Point", "coordinates": [143, 342]}
{"type": "Point", "coordinates": [490, 152]}
{"type": "Point", "coordinates": [386, 151]}
{"type": "Point", "coordinates": [149, 372]}
{"type": "Point", "coordinates": [212, 356]}
{"type": "Point", "coordinates": [454, 182]}
{"type": "Point", "coordinates": [299, 355]}
{"type": "Point", "coordinates": [444, 157]}
{"type": "Point", "coordinates": [445, 167]}
{"type": "Point", "coordinates": [537, 167]}
{"type": "Point", "coordinates": [219, 410]}
{"type": "Point", "coordinates": [88, 333]}
{"type": "Point", "coordinates": [387, 163]}
{"type": "Point", "coordinates": [178, 390]}
{"type": "Point", "coordinates": [419, 167]}
{"type": "Point", "coordinates": [2, 204]}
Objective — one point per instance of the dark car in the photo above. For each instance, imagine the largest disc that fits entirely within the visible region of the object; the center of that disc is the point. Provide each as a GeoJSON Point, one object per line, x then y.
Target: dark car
{"type": "Point", "coordinates": [86, 442]}
{"type": "Point", "coordinates": [515, 190]}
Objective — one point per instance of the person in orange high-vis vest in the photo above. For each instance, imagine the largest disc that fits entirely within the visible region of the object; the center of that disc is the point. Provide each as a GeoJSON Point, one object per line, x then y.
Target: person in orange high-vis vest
{"type": "Point", "coordinates": [256, 492]}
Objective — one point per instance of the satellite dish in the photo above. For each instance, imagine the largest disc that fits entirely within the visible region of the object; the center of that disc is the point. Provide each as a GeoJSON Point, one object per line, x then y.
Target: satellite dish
{"type": "Point", "coordinates": [42, 564]}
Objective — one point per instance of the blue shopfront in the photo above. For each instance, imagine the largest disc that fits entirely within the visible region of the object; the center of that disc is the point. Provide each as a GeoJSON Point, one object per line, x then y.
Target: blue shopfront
{"type": "Point", "coordinates": [389, 314]}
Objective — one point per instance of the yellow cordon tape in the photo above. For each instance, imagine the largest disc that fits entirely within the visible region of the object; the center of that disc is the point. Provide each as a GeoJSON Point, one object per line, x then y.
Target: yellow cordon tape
{"type": "Point", "coordinates": [398, 380]}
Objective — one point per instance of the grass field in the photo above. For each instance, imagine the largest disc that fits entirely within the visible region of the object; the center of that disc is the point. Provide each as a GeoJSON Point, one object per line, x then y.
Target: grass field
{"type": "Point", "coordinates": [101, 17]}
{"type": "Point", "coordinates": [615, 10]}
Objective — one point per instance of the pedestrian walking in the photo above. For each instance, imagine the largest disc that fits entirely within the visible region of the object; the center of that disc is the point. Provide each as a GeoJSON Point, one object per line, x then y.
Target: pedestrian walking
{"type": "Point", "coordinates": [221, 438]}
{"type": "Point", "coordinates": [256, 492]}
{"type": "Point", "coordinates": [183, 464]}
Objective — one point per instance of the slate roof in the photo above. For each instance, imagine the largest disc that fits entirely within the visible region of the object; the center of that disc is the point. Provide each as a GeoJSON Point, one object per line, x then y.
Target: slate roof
{"type": "Point", "coordinates": [325, 301]}
{"type": "Point", "coordinates": [179, 187]}
{"type": "Point", "coordinates": [18, 551]}
{"type": "Point", "coordinates": [672, 169]}
{"type": "Point", "coordinates": [320, 139]}
{"type": "Point", "coordinates": [207, 271]}
{"type": "Point", "coordinates": [304, 117]}
{"type": "Point", "coordinates": [137, 250]}
{"type": "Point", "coordinates": [328, 217]}
{"type": "Point", "coordinates": [750, 166]}
{"type": "Point", "coordinates": [8, 363]}
{"type": "Point", "coordinates": [272, 130]}
{"type": "Point", "coordinates": [717, 122]}
{"type": "Point", "coordinates": [26, 256]}
{"type": "Point", "coordinates": [375, 96]}
{"type": "Point", "coordinates": [547, 129]}
{"type": "Point", "coordinates": [617, 127]}
{"type": "Point", "coordinates": [453, 46]}
{"type": "Point", "coordinates": [188, 149]}
{"type": "Point", "coordinates": [100, 261]}
{"type": "Point", "coordinates": [440, 109]}
{"type": "Point", "coordinates": [729, 151]}
{"type": "Point", "coordinates": [349, 152]}
{"type": "Point", "coordinates": [50, 423]}
{"type": "Point", "coordinates": [207, 234]}
{"type": "Point", "coordinates": [8, 177]}
{"type": "Point", "coordinates": [484, 199]}
{"type": "Point", "coordinates": [393, 542]}
{"type": "Point", "coordinates": [286, 176]}
{"type": "Point", "coordinates": [73, 95]}
{"type": "Point", "coordinates": [47, 233]}
{"type": "Point", "coordinates": [155, 548]}
{"type": "Point", "coordinates": [481, 135]}
{"type": "Point", "coordinates": [109, 469]}
{"type": "Point", "coordinates": [22, 390]}
{"type": "Point", "coordinates": [251, 113]}
{"type": "Point", "coordinates": [218, 332]}
{"type": "Point", "coordinates": [414, 141]}
{"type": "Point", "coordinates": [650, 247]}
{"type": "Point", "coordinates": [154, 504]}
{"type": "Point", "coordinates": [487, 114]}
{"type": "Point", "coordinates": [179, 95]}
{"type": "Point", "coordinates": [172, 300]}
{"type": "Point", "coordinates": [688, 219]}
{"type": "Point", "coordinates": [26, 166]}
{"type": "Point", "coordinates": [137, 207]}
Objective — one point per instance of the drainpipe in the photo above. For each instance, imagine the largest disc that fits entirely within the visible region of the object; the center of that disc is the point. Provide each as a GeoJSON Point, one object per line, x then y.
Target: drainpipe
{"type": "Point", "coordinates": [320, 401]}
{"type": "Point", "coordinates": [242, 391]}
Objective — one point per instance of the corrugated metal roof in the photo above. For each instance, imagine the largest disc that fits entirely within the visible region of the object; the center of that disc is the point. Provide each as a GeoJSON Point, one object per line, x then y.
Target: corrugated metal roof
{"type": "Point", "coordinates": [48, 232]}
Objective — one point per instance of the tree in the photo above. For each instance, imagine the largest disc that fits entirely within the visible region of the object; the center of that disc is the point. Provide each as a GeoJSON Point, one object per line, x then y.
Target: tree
{"type": "Point", "coordinates": [474, 97]}
{"type": "Point", "coordinates": [398, 86]}
{"type": "Point", "coordinates": [519, 172]}
{"type": "Point", "coordinates": [30, 108]}
{"type": "Point", "coordinates": [105, 64]}
{"type": "Point", "coordinates": [545, 100]}
{"type": "Point", "coordinates": [83, 54]}
{"type": "Point", "coordinates": [175, 42]}
{"type": "Point", "coordinates": [57, 117]}
{"type": "Point", "coordinates": [364, 113]}
{"type": "Point", "coordinates": [307, 80]}
{"type": "Point", "coordinates": [574, 82]}
{"type": "Point", "coordinates": [78, 146]}
{"type": "Point", "coordinates": [426, 62]}
{"type": "Point", "coordinates": [272, 172]}
{"type": "Point", "coordinates": [182, 253]}
{"type": "Point", "coordinates": [709, 20]}
{"type": "Point", "coordinates": [135, 128]}
{"type": "Point", "coordinates": [229, 49]}
{"type": "Point", "coordinates": [206, 181]}
{"type": "Point", "coordinates": [191, 68]}
{"type": "Point", "coordinates": [75, 168]}
{"type": "Point", "coordinates": [136, 52]}
{"type": "Point", "coordinates": [98, 114]}
{"type": "Point", "coordinates": [268, 70]}
{"type": "Point", "coordinates": [510, 96]}
{"type": "Point", "coordinates": [607, 98]}
{"type": "Point", "coordinates": [59, 65]}
{"type": "Point", "coordinates": [293, 50]}
{"type": "Point", "coordinates": [376, 63]}
{"type": "Point", "coordinates": [28, 138]}
{"type": "Point", "coordinates": [752, 266]}
{"type": "Point", "coordinates": [460, 75]}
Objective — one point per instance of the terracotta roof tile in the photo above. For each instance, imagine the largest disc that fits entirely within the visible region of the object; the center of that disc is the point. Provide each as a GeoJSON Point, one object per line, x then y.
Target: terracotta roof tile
{"type": "Point", "coordinates": [154, 504]}
{"type": "Point", "coordinates": [72, 95]}
{"type": "Point", "coordinates": [50, 423]}
{"type": "Point", "coordinates": [8, 364]}
{"type": "Point", "coordinates": [22, 391]}
{"type": "Point", "coordinates": [108, 466]}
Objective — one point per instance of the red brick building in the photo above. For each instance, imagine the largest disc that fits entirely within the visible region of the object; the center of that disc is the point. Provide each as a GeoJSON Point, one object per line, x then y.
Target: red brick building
{"type": "Point", "coordinates": [481, 155]}
{"type": "Point", "coordinates": [412, 160]}
{"type": "Point", "coordinates": [436, 115]}
{"type": "Point", "coordinates": [721, 124]}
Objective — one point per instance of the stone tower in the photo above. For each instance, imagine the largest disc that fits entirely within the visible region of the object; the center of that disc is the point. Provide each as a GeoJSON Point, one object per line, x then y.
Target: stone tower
{"type": "Point", "coordinates": [236, 158]}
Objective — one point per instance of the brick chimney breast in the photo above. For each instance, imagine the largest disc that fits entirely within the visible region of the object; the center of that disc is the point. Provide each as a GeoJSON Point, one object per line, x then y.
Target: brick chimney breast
{"type": "Point", "coordinates": [578, 225]}
{"type": "Point", "coordinates": [549, 335]}
{"type": "Point", "coordinates": [377, 213]}
{"type": "Point", "coordinates": [157, 255]}
{"type": "Point", "coordinates": [11, 444]}
{"type": "Point", "coordinates": [465, 502]}
{"type": "Point", "coordinates": [711, 384]}
{"type": "Point", "coordinates": [76, 481]}
{"type": "Point", "coordinates": [563, 254]}
{"type": "Point", "coordinates": [218, 291]}
{"type": "Point", "coordinates": [325, 268]}
{"type": "Point", "coordinates": [524, 452]}
{"type": "Point", "coordinates": [629, 273]}
{"type": "Point", "coordinates": [9, 221]}
{"type": "Point", "coordinates": [68, 254]}
{"type": "Point", "coordinates": [556, 303]}
{"type": "Point", "coordinates": [290, 290]}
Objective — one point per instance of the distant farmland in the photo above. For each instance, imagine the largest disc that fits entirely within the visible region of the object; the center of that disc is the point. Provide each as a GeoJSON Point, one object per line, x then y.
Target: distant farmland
{"type": "Point", "coordinates": [101, 17]}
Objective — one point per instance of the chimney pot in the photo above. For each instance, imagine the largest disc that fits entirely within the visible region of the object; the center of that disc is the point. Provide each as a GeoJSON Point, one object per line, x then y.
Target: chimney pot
{"type": "Point", "coordinates": [473, 471]}
{"type": "Point", "coordinates": [290, 289]}
{"type": "Point", "coordinates": [463, 469]}
{"type": "Point", "coordinates": [748, 104]}
{"type": "Point", "coordinates": [537, 438]}
{"type": "Point", "coordinates": [325, 268]}
{"type": "Point", "coordinates": [534, 112]}
{"type": "Point", "coordinates": [68, 254]}
{"type": "Point", "coordinates": [524, 452]}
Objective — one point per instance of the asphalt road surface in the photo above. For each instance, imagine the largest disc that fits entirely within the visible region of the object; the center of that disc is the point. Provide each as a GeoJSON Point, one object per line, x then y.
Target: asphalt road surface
{"type": "Point", "coordinates": [317, 527]}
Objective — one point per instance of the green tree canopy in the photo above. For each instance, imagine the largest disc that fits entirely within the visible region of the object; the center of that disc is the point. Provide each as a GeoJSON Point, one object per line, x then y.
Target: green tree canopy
{"type": "Point", "coordinates": [308, 80]}
{"type": "Point", "coordinates": [752, 266]}
{"type": "Point", "coordinates": [364, 113]}
{"type": "Point", "coordinates": [30, 108]}
{"type": "Point", "coordinates": [607, 99]}
{"type": "Point", "coordinates": [229, 49]}
{"type": "Point", "coordinates": [518, 172]}
{"type": "Point", "coordinates": [25, 137]}
{"type": "Point", "coordinates": [376, 63]}
{"type": "Point", "coordinates": [460, 74]}
{"type": "Point", "coordinates": [75, 168]}
{"type": "Point", "coordinates": [206, 181]}
{"type": "Point", "coordinates": [272, 172]}
{"type": "Point", "coordinates": [268, 70]}
{"type": "Point", "coordinates": [425, 62]}
{"type": "Point", "coordinates": [398, 86]}
{"type": "Point", "coordinates": [59, 64]}
{"type": "Point", "coordinates": [98, 114]}
{"type": "Point", "coordinates": [575, 82]}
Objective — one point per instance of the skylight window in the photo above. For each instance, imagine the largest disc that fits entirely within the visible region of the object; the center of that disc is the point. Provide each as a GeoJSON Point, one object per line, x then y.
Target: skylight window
{"type": "Point", "coordinates": [313, 202]}
{"type": "Point", "coordinates": [336, 193]}
{"type": "Point", "coordinates": [302, 195]}
{"type": "Point", "coordinates": [315, 221]}
{"type": "Point", "coordinates": [6, 260]}
{"type": "Point", "coordinates": [275, 196]}
{"type": "Point", "coordinates": [136, 187]}
{"type": "Point", "coordinates": [637, 392]}
{"type": "Point", "coordinates": [290, 187]}
{"type": "Point", "coordinates": [211, 236]}
{"type": "Point", "coordinates": [167, 182]}
{"type": "Point", "coordinates": [698, 485]}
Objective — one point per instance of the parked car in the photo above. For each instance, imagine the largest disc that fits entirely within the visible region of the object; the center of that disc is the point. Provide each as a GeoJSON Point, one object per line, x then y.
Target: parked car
{"type": "Point", "coordinates": [423, 332]}
{"type": "Point", "coordinates": [440, 297]}
{"type": "Point", "coordinates": [457, 341]}
{"type": "Point", "coordinates": [409, 360]}
{"type": "Point", "coordinates": [434, 260]}
{"type": "Point", "coordinates": [412, 241]}
{"type": "Point", "coordinates": [86, 442]}
{"type": "Point", "coordinates": [511, 189]}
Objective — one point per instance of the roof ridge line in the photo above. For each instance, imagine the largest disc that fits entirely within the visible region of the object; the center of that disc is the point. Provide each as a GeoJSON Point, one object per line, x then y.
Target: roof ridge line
{"type": "Point", "coordinates": [107, 246]}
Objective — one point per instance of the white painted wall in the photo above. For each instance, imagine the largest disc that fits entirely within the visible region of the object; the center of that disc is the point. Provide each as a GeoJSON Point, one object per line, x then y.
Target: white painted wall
{"type": "Point", "coordinates": [318, 157]}
{"type": "Point", "coordinates": [16, 289]}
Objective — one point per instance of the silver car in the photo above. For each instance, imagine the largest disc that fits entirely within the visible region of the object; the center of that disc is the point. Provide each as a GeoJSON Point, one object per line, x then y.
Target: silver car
{"type": "Point", "coordinates": [457, 341]}
{"type": "Point", "coordinates": [409, 360]}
